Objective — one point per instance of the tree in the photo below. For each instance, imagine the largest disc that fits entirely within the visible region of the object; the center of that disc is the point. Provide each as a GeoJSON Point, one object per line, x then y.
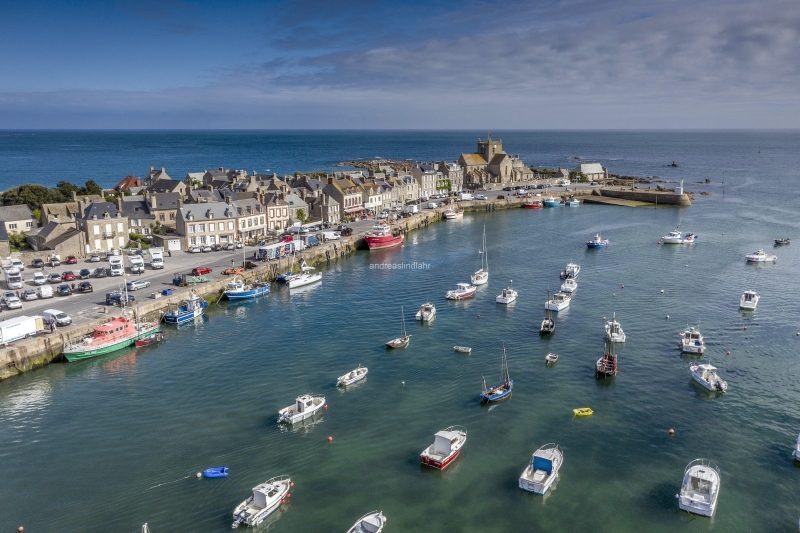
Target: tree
{"type": "Point", "coordinates": [91, 187]}
{"type": "Point", "coordinates": [33, 196]}
{"type": "Point", "coordinates": [301, 216]}
{"type": "Point", "coordinates": [17, 241]}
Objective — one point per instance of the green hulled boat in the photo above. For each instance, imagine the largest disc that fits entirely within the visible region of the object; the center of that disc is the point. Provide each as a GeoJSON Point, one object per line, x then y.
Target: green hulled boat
{"type": "Point", "coordinates": [109, 337]}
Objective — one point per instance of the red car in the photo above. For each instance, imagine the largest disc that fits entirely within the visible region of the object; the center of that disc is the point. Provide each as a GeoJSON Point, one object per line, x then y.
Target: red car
{"type": "Point", "coordinates": [68, 276]}
{"type": "Point", "coordinates": [72, 260]}
{"type": "Point", "coordinates": [199, 271]}
{"type": "Point", "coordinates": [286, 238]}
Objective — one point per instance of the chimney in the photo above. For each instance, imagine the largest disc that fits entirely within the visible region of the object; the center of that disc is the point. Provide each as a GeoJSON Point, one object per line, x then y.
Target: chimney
{"type": "Point", "coordinates": [228, 199]}
{"type": "Point", "coordinates": [74, 196]}
{"type": "Point", "coordinates": [163, 170]}
{"type": "Point", "coordinates": [330, 181]}
{"type": "Point", "coordinates": [119, 202]}
{"type": "Point", "coordinates": [153, 203]}
{"type": "Point", "coordinates": [180, 203]}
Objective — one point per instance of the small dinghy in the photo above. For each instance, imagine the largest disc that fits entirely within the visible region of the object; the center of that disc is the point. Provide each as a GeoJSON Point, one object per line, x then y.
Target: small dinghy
{"type": "Point", "coordinates": [583, 411]}
{"type": "Point", "coordinates": [369, 523]}
{"type": "Point", "coordinates": [782, 242]}
{"type": "Point", "coordinates": [462, 349]}
{"type": "Point", "coordinates": [700, 488]}
{"type": "Point", "coordinates": [352, 377]}
{"type": "Point", "coordinates": [551, 358]}
{"type": "Point", "coordinates": [217, 471]}
{"type": "Point", "coordinates": [153, 338]}
{"type": "Point", "coordinates": [542, 471]}
{"type": "Point", "coordinates": [796, 452]}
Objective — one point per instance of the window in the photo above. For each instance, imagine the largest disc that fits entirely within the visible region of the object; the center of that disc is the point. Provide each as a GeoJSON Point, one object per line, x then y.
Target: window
{"type": "Point", "coordinates": [121, 241]}
{"type": "Point", "coordinates": [249, 222]}
{"type": "Point", "coordinates": [172, 216]}
{"type": "Point", "coordinates": [230, 226]}
{"type": "Point", "coordinates": [201, 228]}
{"type": "Point", "coordinates": [191, 228]}
{"type": "Point", "coordinates": [192, 241]}
{"type": "Point", "coordinates": [211, 227]}
{"type": "Point", "coordinates": [29, 224]}
{"type": "Point", "coordinates": [161, 217]}
{"type": "Point", "coordinates": [243, 223]}
{"type": "Point", "coordinates": [119, 227]}
{"type": "Point", "coordinates": [108, 228]}
{"type": "Point", "coordinates": [96, 243]}
{"type": "Point", "coordinates": [285, 212]}
{"type": "Point", "coordinates": [97, 232]}
{"type": "Point", "coordinates": [12, 226]}
{"type": "Point", "coordinates": [203, 239]}
{"type": "Point", "coordinates": [212, 240]}
{"type": "Point", "coordinates": [260, 221]}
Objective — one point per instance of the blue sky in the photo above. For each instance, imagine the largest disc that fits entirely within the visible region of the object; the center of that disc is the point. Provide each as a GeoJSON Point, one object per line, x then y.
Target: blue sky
{"type": "Point", "coordinates": [421, 65]}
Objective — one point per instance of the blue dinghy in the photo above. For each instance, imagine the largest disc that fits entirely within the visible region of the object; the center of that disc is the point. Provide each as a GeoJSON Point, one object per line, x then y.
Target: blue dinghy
{"type": "Point", "coordinates": [217, 471]}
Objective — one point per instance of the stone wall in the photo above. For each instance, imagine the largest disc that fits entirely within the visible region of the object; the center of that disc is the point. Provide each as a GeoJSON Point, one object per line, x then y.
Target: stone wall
{"type": "Point", "coordinates": [651, 196]}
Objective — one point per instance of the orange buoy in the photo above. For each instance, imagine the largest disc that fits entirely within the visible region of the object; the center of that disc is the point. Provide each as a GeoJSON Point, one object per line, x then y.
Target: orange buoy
{"type": "Point", "coordinates": [745, 328]}
{"type": "Point", "coordinates": [291, 483]}
{"type": "Point", "coordinates": [288, 494]}
{"type": "Point", "coordinates": [729, 352]}
{"type": "Point", "coordinates": [330, 439]}
{"type": "Point", "coordinates": [671, 431]}
{"type": "Point", "coordinates": [325, 406]}
{"type": "Point", "coordinates": [479, 315]}
{"type": "Point", "coordinates": [659, 243]}
{"type": "Point", "coordinates": [283, 501]}
{"type": "Point", "coordinates": [20, 528]}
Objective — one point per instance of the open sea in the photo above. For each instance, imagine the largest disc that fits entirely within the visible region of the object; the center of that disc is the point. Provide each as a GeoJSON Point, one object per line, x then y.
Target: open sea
{"type": "Point", "coordinates": [111, 443]}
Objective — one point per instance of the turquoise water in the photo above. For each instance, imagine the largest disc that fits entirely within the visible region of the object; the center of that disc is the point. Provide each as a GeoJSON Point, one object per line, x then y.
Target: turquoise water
{"type": "Point", "coordinates": [114, 442]}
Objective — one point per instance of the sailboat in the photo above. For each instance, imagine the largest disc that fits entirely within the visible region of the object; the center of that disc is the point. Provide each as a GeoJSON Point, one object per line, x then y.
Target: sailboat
{"type": "Point", "coordinates": [402, 341]}
{"type": "Point", "coordinates": [481, 277]}
{"type": "Point", "coordinates": [503, 389]}
{"type": "Point", "coordinates": [548, 326]}
{"type": "Point", "coordinates": [607, 365]}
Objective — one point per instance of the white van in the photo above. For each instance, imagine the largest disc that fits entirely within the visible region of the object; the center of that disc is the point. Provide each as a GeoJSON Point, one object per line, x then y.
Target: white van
{"type": "Point", "coordinates": [45, 291]}
{"type": "Point", "coordinates": [62, 319]}
{"type": "Point", "coordinates": [465, 196]}
{"type": "Point", "coordinates": [39, 278]}
{"type": "Point", "coordinates": [117, 266]}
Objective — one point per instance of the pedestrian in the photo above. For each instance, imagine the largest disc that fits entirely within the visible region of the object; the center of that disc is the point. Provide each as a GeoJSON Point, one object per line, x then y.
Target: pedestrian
{"type": "Point", "coordinates": [52, 325]}
{"type": "Point", "coordinates": [17, 294]}
{"type": "Point", "coordinates": [169, 252]}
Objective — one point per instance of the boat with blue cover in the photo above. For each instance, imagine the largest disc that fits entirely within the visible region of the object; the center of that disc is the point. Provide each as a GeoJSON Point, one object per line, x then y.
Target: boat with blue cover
{"type": "Point", "coordinates": [542, 471]}
{"type": "Point", "coordinates": [552, 201]}
{"type": "Point", "coordinates": [217, 471]}
{"type": "Point", "coordinates": [237, 289]}
{"type": "Point", "coordinates": [191, 308]}
{"type": "Point", "coordinates": [503, 389]}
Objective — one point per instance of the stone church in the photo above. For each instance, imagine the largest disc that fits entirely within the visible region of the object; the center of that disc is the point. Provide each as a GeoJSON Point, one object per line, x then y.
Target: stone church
{"type": "Point", "coordinates": [490, 164]}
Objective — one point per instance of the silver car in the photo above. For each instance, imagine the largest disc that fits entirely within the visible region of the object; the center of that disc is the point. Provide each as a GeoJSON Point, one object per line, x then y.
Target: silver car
{"type": "Point", "coordinates": [29, 294]}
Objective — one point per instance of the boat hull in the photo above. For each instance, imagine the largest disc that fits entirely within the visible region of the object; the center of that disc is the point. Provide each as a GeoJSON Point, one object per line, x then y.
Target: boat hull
{"type": "Point", "coordinates": [535, 205]}
{"type": "Point", "coordinates": [439, 465]}
{"type": "Point", "coordinates": [375, 242]}
{"type": "Point", "coordinates": [303, 281]}
{"type": "Point", "coordinates": [180, 318]}
{"type": "Point", "coordinates": [534, 487]}
{"type": "Point", "coordinates": [94, 352]}
{"type": "Point", "coordinates": [556, 306]}
{"type": "Point", "coordinates": [497, 393]}
{"type": "Point", "coordinates": [246, 295]}
{"type": "Point", "coordinates": [596, 244]}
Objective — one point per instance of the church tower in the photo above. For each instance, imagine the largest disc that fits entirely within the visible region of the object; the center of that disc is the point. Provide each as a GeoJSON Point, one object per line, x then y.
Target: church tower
{"type": "Point", "coordinates": [488, 148]}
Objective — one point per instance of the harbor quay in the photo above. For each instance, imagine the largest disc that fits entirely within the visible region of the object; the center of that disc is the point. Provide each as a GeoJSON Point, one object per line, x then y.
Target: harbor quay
{"type": "Point", "coordinates": [39, 350]}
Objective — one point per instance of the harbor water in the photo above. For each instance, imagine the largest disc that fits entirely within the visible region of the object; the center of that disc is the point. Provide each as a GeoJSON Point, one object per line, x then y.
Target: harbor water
{"type": "Point", "coordinates": [110, 443]}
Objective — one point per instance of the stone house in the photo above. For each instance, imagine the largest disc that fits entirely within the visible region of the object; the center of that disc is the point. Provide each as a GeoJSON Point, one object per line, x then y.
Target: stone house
{"type": "Point", "coordinates": [277, 210]}
{"type": "Point", "coordinates": [164, 207]}
{"type": "Point", "coordinates": [155, 175]}
{"type": "Point", "coordinates": [207, 224]}
{"type": "Point", "coordinates": [295, 203]}
{"type": "Point", "coordinates": [454, 174]}
{"type": "Point", "coordinates": [66, 212]}
{"type": "Point", "coordinates": [127, 183]}
{"type": "Point", "coordinates": [593, 171]}
{"type": "Point", "coordinates": [104, 226]}
{"type": "Point", "coordinates": [407, 188]}
{"type": "Point", "coordinates": [251, 219]}
{"type": "Point", "coordinates": [137, 211]}
{"type": "Point", "coordinates": [372, 196]}
{"type": "Point", "coordinates": [346, 194]}
{"type": "Point", "coordinates": [63, 239]}
{"type": "Point", "coordinates": [168, 186]}
{"type": "Point", "coordinates": [427, 178]}
{"type": "Point", "coordinates": [325, 208]}
{"type": "Point", "coordinates": [17, 219]}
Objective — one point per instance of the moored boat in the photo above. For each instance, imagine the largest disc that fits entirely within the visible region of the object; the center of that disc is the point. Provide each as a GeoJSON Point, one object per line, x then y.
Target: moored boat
{"type": "Point", "coordinates": [552, 201]}
{"type": "Point", "coordinates": [306, 405]}
{"type": "Point", "coordinates": [382, 236]}
{"type": "Point", "coordinates": [760, 256]}
{"type": "Point", "coordinates": [266, 499]}
{"type": "Point", "coordinates": [502, 390]}
{"type": "Point", "coordinates": [550, 358]}
{"type": "Point", "coordinates": [749, 300]}
{"type": "Point", "coordinates": [426, 313]}
{"type": "Point", "coordinates": [700, 488]}
{"type": "Point", "coordinates": [559, 302]}
{"type": "Point", "coordinates": [462, 290]}
{"type": "Point", "coordinates": [706, 375]}
{"type": "Point", "coordinates": [508, 295]}
{"type": "Point", "coordinates": [446, 446]}
{"type": "Point", "coordinates": [782, 242]}
{"type": "Point", "coordinates": [676, 237]}
{"type": "Point", "coordinates": [354, 376]}
{"type": "Point", "coordinates": [692, 341]}
{"type": "Point", "coordinates": [607, 365]}
{"type": "Point", "coordinates": [462, 349]}
{"type": "Point", "coordinates": [481, 277]}
{"type": "Point", "coordinates": [547, 326]}
{"type": "Point", "coordinates": [571, 271]}
{"type": "Point", "coordinates": [569, 285]}
{"type": "Point", "coordinates": [215, 472]}
{"type": "Point", "coordinates": [582, 411]}
{"type": "Point", "coordinates": [532, 203]}
{"type": "Point", "coordinates": [307, 276]}
{"type": "Point", "coordinates": [369, 523]}
{"type": "Point", "coordinates": [614, 331]}
{"type": "Point", "coordinates": [452, 214]}
{"type": "Point", "coordinates": [597, 242]}
{"type": "Point", "coordinates": [237, 289]}
{"type": "Point", "coordinates": [191, 308]}
{"type": "Point", "coordinates": [154, 338]}
{"type": "Point", "coordinates": [403, 340]}
{"type": "Point", "coordinates": [542, 471]}
{"type": "Point", "coordinates": [796, 451]}
{"type": "Point", "coordinates": [117, 333]}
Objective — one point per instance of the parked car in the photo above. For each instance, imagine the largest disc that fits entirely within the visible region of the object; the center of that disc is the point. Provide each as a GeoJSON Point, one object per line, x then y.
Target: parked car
{"type": "Point", "coordinates": [480, 197]}
{"type": "Point", "coordinates": [84, 273]}
{"type": "Point", "coordinates": [38, 263]}
{"type": "Point", "coordinates": [346, 232]}
{"type": "Point", "coordinates": [326, 225]}
{"type": "Point", "coordinates": [54, 262]}
{"type": "Point", "coordinates": [230, 246]}
{"type": "Point", "coordinates": [286, 238]}
{"type": "Point", "coordinates": [69, 275]}
{"type": "Point", "coordinates": [85, 286]}
{"type": "Point", "coordinates": [217, 247]}
{"type": "Point", "coordinates": [239, 245]}
{"type": "Point", "coordinates": [100, 273]}
{"type": "Point", "coordinates": [508, 188]}
{"type": "Point", "coordinates": [12, 302]}
{"type": "Point", "coordinates": [194, 250]}
{"type": "Point", "coordinates": [94, 258]}
{"type": "Point", "coordinates": [206, 249]}
{"type": "Point", "coordinates": [64, 290]}
{"type": "Point", "coordinates": [594, 183]}
{"type": "Point", "coordinates": [17, 263]}
{"type": "Point", "coordinates": [39, 278]}
{"type": "Point", "coordinates": [28, 295]}
{"type": "Point", "coordinates": [54, 277]}
{"type": "Point", "coordinates": [137, 284]}
{"type": "Point", "coordinates": [61, 318]}
{"type": "Point", "coordinates": [201, 270]}
{"type": "Point", "coordinates": [116, 298]}
{"type": "Point", "coordinates": [72, 260]}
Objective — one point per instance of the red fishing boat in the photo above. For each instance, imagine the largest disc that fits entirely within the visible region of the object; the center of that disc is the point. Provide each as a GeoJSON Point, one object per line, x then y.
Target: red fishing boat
{"type": "Point", "coordinates": [445, 448]}
{"type": "Point", "coordinates": [533, 203]}
{"type": "Point", "coordinates": [382, 236]}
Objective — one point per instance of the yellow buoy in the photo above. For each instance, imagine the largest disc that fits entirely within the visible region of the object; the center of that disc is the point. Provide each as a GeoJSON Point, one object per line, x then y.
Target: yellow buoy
{"type": "Point", "coordinates": [583, 411]}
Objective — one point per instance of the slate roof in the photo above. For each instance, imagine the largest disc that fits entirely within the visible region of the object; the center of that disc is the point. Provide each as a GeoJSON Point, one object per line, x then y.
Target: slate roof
{"type": "Point", "coordinates": [473, 159]}
{"type": "Point", "coordinates": [11, 213]}
{"type": "Point", "coordinates": [71, 233]}
{"type": "Point", "coordinates": [498, 158]}
{"type": "Point", "coordinates": [167, 200]}
{"type": "Point", "coordinates": [166, 186]}
{"type": "Point", "coordinates": [99, 209]}
{"type": "Point", "coordinates": [219, 210]}
{"type": "Point", "coordinates": [137, 209]}
{"type": "Point", "coordinates": [591, 168]}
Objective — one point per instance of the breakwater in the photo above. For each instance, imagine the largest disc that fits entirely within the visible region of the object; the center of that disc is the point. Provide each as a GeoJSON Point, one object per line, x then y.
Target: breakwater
{"type": "Point", "coordinates": [649, 195]}
{"type": "Point", "coordinates": [35, 352]}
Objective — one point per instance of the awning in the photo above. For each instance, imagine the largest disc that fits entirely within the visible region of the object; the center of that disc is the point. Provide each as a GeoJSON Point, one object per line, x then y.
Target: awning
{"type": "Point", "coordinates": [354, 210]}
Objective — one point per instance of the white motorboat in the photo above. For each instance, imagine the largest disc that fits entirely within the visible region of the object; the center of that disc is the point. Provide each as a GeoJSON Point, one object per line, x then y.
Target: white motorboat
{"type": "Point", "coordinates": [700, 488]}
{"type": "Point", "coordinates": [796, 452]}
{"type": "Point", "coordinates": [614, 331]}
{"type": "Point", "coordinates": [542, 471]}
{"type": "Point", "coordinates": [569, 285]}
{"type": "Point", "coordinates": [446, 446]}
{"type": "Point", "coordinates": [351, 377]}
{"type": "Point", "coordinates": [571, 272]}
{"type": "Point", "coordinates": [266, 499]}
{"type": "Point", "coordinates": [760, 256]}
{"type": "Point", "coordinates": [706, 375]}
{"type": "Point", "coordinates": [676, 237]}
{"type": "Point", "coordinates": [551, 358]}
{"type": "Point", "coordinates": [597, 242]}
{"type": "Point", "coordinates": [306, 406]}
{"type": "Point", "coordinates": [306, 276]}
{"type": "Point", "coordinates": [369, 523]}
{"type": "Point", "coordinates": [481, 277]}
{"type": "Point", "coordinates": [508, 295]}
{"type": "Point", "coordinates": [453, 214]}
{"type": "Point", "coordinates": [404, 338]}
{"type": "Point", "coordinates": [463, 349]}
{"type": "Point", "coordinates": [692, 341]}
{"type": "Point", "coordinates": [426, 313]}
{"type": "Point", "coordinates": [559, 302]}
{"type": "Point", "coordinates": [462, 290]}
{"type": "Point", "coordinates": [749, 300]}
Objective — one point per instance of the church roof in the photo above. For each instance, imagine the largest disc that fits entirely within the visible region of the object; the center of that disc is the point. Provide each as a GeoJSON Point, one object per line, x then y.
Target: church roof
{"type": "Point", "coordinates": [498, 158]}
{"type": "Point", "coordinates": [473, 159]}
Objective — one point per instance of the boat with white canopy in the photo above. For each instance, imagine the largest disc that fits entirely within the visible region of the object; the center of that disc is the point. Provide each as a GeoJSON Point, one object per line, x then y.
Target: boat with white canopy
{"type": "Point", "coordinates": [614, 331]}
{"type": "Point", "coordinates": [559, 302]}
{"type": "Point", "coordinates": [692, 341]}
{"type": "Point", "coordinates": [266, 499]}
{"type": "Point", "coordinates": [354, 376]}
{"type": "Point", "coordinates": [749, 300]}
{"type": "Point", "coordinates": [369, 523]}
{"type": "Point", "coordinates": [706, 375]}
{"type": "Point", "coordinates": [569, 285]}
{"type": "Point", "coordinates": [462, 291]}
{"type": "Point", "coordinates": [571, 271]}
{"type": "Point", "coordinates": [508, 295]}
{"type": "Point", "coordinates": [700, 488]}
{"type": "Point", "coordinates": [426, 313]}
{"type": "Point", "coordinates": [760, 256]}
{"type": "Point", "coordinates": [542, 471]}
{"type": "Point", "coordinates": [306, 406]}
{"type": "Point", "coordinates": [446, 446]}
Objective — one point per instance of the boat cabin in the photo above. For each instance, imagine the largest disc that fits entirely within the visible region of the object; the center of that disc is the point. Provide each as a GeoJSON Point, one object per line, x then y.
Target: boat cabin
{"type": "Point", "coordinates": [542, 464]}
{"type": "Point", "coordinates": [115, 328]}
{"type": "Point", "coordinates": [264, 494]}
{"type": "Point", "coordinates": [305, 403]}
{"type": "Point", "coordinates": [444, 442]}
{"type": "Point", "coordinates": [463, 286]}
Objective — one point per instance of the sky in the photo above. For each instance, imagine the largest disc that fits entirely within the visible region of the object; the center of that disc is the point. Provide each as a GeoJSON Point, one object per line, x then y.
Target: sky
{"type": "Point", "coordinates": [434, 64]}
